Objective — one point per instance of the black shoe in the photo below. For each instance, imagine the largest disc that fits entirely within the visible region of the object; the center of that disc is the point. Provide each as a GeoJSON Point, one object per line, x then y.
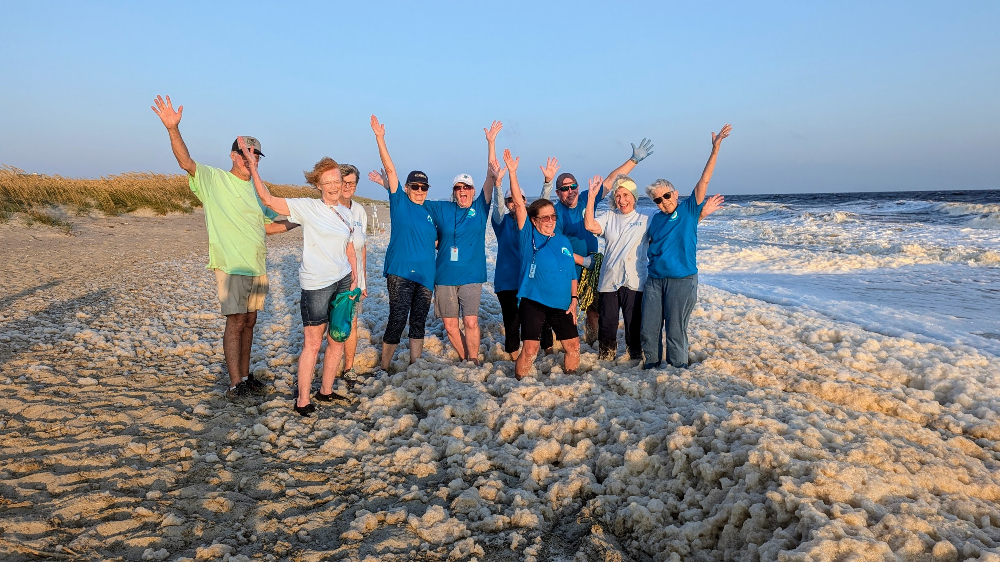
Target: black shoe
{"type": "Point", "coordinates": [329, 397]}
{"type": "Point", "coordinates": [304, 410]}
{"type": "Point", "coordinates": [255, 386]}
{"type": "Point", "coordinates": [238, 393]}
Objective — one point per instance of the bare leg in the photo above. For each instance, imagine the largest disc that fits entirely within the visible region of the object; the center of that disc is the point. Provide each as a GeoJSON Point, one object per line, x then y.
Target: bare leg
{"type": "Point", "coordinates": [472, 338]}
{"type": "Point", "coordinates": [529, 349]}
{"type": "Point", "coordinates": [351, 346]}
{"type": "Point", "coordinates": [331, 362]}
{"type": "Point", "coordinates": [388, 350]}
{"type": "Point", "coordinates": [416, 348]}
{"type": "Point", "coordinates": [307, 362]}
{"type": "Point", "coordinates": [590, 328]}
{"type": "Point", "coordinates": [455, 336]}
{"type": "Point", "coordinates": [234, 340]}
{"type": "Point", "coordinates": [572, 358]}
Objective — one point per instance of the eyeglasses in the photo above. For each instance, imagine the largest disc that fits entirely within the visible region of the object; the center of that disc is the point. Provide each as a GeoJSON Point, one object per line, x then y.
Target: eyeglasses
{"type": "Point", "coordinates": [568, 187]}
{"type": "Point", "coordinates": [546, 218]}
{"type": "Point", "coordinates": [509, 200]}
{"type": "Point", "coordinates": [667, 197]}
{"type": "Point", "coordinates": [419, 186]}
{"type": "Point", "coordinates": [462, 187]}
{"type": "Point", "coordinates": [334, 183]}
{"type": "Point", "coordinates": [351, 183]}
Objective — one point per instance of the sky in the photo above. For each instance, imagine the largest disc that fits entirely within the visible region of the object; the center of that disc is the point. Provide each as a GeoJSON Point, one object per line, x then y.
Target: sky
{"type": "Point", "coordinates": [822, 96]}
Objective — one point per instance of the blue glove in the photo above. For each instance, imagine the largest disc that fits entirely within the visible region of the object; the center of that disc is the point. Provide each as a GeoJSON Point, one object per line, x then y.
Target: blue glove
{"type": "Point", "coordinates": [640, 152]}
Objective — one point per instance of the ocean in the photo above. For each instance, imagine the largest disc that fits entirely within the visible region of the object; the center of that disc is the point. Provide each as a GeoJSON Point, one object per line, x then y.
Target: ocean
{"type": "Point", "coordinates": [924, 265]}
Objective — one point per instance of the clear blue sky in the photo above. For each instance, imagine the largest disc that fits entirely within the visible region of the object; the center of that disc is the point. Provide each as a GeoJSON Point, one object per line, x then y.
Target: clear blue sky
{"type": "Point", "coordinates": [823, 96]}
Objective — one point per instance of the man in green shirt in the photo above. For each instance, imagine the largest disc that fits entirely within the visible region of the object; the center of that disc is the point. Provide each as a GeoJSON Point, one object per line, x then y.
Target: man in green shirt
{"type": "Point", "coordinates": [237, 223]}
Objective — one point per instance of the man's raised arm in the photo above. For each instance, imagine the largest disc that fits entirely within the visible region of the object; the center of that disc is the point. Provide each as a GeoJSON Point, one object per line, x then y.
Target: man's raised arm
{"type": "Point", "coordinates": [171, 120]}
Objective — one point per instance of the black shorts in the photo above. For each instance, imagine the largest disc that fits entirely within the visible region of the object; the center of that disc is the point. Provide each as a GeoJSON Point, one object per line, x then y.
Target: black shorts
{"type": "Point", "coordinates": [534, 314]}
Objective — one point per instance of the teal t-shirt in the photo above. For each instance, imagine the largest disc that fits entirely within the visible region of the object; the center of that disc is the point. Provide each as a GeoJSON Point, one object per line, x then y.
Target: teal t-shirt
{"type": "Point", "coordinates": [464, 229]}
{"type": "Point", "coordinates": [551, 283]}
{"type": "Point", "coordinates": [411, 245]}
{"type": "Point", "coordinates": [235, 219]}
{"type": "Point", "coordinates": [673, 241]}
{"type": "Point", "coordinates": [569, 223]}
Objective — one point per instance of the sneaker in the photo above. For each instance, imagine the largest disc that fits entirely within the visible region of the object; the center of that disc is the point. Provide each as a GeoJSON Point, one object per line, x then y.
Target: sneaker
{"type": "Point", "coordinates": [350, 376]}
{"type": "Point", "coordinates": [238, 393]}
{"type": "Point", "coordinates": [255, 386]}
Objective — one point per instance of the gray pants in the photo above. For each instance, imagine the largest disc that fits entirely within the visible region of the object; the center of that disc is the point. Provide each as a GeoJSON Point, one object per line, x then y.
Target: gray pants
{"type": "Point", "coordinates": [667, 301]}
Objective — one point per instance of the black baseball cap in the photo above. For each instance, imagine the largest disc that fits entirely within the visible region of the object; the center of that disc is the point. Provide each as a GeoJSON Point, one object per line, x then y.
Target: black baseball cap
{"type": "Point", "coordinates": [416, 176]}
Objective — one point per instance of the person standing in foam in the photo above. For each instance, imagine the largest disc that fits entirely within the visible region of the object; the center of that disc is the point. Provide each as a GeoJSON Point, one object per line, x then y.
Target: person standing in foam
{"type": "Point", "coordinates": [409, 259]}
{"type": "Point", "coordinates": [461, 258]}
{"type": "Point", "coordinates": [507, 277]}
{"type": "Point", "coordinates": [548, 279]}
{"type": "Point", "coordinates": [569, 214]}
{"type": "Point", "coordinates": [328, 269]}
{"type": "Point", "coordinates": [671, 289]}
{"type": "Point", "coordinates": [624, 269]}
{"type": "Point", "coordinates": [359, 218]}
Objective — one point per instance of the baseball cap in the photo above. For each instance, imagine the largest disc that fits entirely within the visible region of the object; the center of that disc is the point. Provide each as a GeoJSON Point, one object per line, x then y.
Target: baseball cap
{"type": "Point", "coordinates": [416, 176]}
{"type": "Point", "coordinates": [463, 178]}
{"type": "Point", "coordinates": [252, 143]}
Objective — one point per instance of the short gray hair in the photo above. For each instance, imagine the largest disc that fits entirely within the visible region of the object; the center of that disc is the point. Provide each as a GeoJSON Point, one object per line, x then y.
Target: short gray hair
{"type": "Point", "coordinates": [659, 184]}
{"type": "Point", "coordinates": [348, 169]}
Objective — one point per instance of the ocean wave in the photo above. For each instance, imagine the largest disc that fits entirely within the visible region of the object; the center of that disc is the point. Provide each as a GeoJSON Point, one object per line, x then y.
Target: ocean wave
{"type": "Point", "coordinates": [985, 216]}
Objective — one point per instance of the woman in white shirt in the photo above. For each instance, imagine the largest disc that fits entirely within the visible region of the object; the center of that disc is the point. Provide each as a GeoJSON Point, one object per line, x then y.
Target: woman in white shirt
{"type": "Point", "coordinates": [624, 267]}
{"type": "Point", "coordinates": [328, 268]}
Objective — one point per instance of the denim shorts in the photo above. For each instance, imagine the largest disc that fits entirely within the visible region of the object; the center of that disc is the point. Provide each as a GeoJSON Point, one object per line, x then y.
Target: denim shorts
{"type": "Point", "coordinates": [315, 305]}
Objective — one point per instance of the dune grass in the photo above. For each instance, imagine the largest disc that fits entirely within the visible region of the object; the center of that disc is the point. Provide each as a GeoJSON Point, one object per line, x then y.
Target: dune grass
{"type": "Point", "coordinates": [34, 194]}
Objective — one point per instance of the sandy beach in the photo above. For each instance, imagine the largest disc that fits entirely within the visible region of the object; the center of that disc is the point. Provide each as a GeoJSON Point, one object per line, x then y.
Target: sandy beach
{"type": "Point", "coordinates": [793, 437]}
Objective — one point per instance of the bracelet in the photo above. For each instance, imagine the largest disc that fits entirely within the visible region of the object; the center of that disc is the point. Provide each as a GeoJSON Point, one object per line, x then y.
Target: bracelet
{"type": "Point", "coordinates": [634, 160]}
{"type": "Point", "coordinates": [574, 297]}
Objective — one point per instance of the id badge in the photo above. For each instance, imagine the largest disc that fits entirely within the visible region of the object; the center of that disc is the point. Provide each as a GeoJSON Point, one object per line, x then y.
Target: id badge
{"type": "Point", "coordinates": [531, 271]}
{"type": "Point", "coordinates": [454, 253]}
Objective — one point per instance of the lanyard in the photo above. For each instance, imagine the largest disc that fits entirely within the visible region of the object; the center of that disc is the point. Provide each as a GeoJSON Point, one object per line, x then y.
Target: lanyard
{"type": "Point", "coordinates": [534, 250]}
{"type": "Point", "coordinates": [459, 221]}
{"type": "Point", "coordinates": [342, 219]}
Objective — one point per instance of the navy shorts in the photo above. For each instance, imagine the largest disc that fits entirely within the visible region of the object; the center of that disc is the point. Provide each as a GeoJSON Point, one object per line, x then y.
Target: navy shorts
{"type": "Point", "coordinates": [315, 305]}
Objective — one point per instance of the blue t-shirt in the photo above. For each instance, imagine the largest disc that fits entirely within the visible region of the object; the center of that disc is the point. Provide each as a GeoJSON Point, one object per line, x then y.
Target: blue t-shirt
{"type": "Point", "coordinates": [465, 229]}
{"type": "Point", "coordinates": [507, 276]}
{"type": "Point", "coordinates": [569, 223]}
{"type": "Point", "coordinates": [552, 283]}
{"type": "Point", "coordinates": [673, 241]}
{"type": "Point", "coordinates": [411, 245]}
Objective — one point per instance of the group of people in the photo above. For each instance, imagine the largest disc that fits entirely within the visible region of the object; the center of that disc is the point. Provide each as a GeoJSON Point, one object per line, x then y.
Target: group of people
{"type": "Point", "coordinates": [437, 250]}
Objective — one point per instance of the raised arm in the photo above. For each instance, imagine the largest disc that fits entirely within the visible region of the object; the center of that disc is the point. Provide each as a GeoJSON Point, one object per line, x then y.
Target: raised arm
{"type": "Point", "coordinates": [383, 153]}
{"type": "Point", "coordinates": [706, 175]}
{"type": "Point", "coordinates": [494, 181]}
{"type": "Point", "coordinates": [639, 153]}
{"type": "Point", "coordinates": [277, 204]}
{"type": "Point", "coordinates": [491, 158]}
{"type": "Point", "coordinates": [549, 171]}
{"type": "Point", "coordinates": [379, 178]}
{"type": "Point", "coordinates": [588, 216]}
{"type": "Point", "coordinates": [171, 120]}
{"type": "Point", "coordinates": [520, 211]}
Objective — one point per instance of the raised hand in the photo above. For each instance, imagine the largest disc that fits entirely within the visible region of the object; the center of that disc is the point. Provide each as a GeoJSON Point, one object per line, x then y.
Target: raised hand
{"type": "Point", "coordinates": [712, 204]}
{"type": "Point", "coordinates": [378, 178]}
{"type": "Point", "coordinates": [595, 187]}
{"type": "Point", "coordinates": [550, 169]}
{"type": "Point", "coordinates": [491, 133]}
{"type": "Point", "coordinates": [639, 153]}
{"type": "Point", "coordinates": [511, 162]}
{"type": "Point", "coordinates": [497, 173]}
{"type": "Point", "coordinates": [716, 139]}
{"type": "Point", "coordinates": [246, 152]}
{"type": "Point", "coordinates": [377, 127]}
{"type": "Point", "coordinates": [165, 111]}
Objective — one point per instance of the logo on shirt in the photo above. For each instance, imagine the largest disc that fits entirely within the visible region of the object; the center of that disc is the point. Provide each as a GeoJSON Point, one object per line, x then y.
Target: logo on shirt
{"type": "Point", "coordinates": [631, 224]}
{"type": "Point", "coordinates": [566, 252]}
{"type": "Point", "coordinates": [429, 219]}
{"type": "Point", "coordinates": [472, 213]}
{"type": "Point", "coordinates": [673, 216]}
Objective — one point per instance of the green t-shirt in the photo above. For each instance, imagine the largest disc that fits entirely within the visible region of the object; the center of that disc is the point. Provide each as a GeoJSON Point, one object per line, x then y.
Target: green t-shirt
{"type": "Point", "coordinates": [235, 219]}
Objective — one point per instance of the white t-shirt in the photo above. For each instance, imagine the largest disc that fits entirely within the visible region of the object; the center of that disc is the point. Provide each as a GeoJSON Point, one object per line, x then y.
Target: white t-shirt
{"type": "Point", "coordinates": [625, 254]}
{"type": "Point", "coordinates": [360, 222]}
{"type": "Point", "coordinates": [324, 242]}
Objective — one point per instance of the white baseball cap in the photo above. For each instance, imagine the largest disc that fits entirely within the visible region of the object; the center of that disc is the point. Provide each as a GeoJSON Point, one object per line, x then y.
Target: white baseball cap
{"type": "Point", "coordinates": [463, 178]}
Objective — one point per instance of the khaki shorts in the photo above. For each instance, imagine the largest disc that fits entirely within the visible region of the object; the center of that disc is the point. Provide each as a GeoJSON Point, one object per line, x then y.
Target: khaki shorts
{"type": "Point", "coordinates": [452, 300]}
{"type": "Point", "coordinates": [239, 294]}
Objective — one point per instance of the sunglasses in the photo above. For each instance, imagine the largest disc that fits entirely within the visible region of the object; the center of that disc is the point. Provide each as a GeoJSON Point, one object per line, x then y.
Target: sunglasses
{"type": "Point", "coordinates": [419, 186]}
{"type": "Point", "coordinates": [462, 187]}
{"type": "Point", "coordinates": [568, 187]}
{"type": "Point", "coordinates": [546, 218]}
{"type": "Point", "coordinates": [667, 197]}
